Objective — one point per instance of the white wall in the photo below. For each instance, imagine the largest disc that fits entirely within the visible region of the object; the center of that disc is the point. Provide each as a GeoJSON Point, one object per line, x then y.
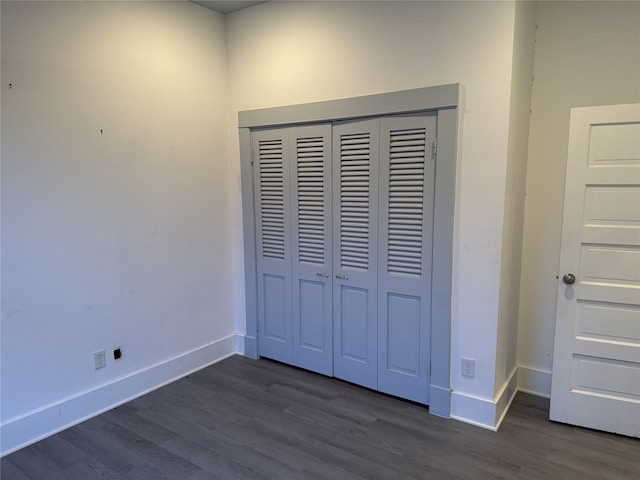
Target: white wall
{"type": "Point", "coordinates": [120, 238]}
{"type": "Point", "coordinates": [523, 49]}
{"type": "Point", "coordinates": [587, 53]}
{"type": "Point", "coordinates": [285, 53]}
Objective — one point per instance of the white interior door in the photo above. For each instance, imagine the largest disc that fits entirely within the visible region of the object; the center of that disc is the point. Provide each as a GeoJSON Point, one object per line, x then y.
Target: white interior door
{"type": "Point", "coordinates": [596, 363]}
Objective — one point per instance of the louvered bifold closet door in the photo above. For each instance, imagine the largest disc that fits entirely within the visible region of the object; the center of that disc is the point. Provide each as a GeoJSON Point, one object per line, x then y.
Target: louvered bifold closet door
{"type": "Point", "coordinates": [312, 252]}
{"type": "Point", "coordinates": [407, 173]}
{"type": "Point", "coordinates": [273, 243]}
{"type": "Point", "coordinates": [355, 214]}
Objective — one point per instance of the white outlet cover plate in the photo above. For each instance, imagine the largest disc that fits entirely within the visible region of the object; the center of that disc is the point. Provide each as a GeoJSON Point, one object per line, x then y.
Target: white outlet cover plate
{"type": "Point", "coordinates": [468, 367]}
{"type": "Point", "coordinates": [100, 359]}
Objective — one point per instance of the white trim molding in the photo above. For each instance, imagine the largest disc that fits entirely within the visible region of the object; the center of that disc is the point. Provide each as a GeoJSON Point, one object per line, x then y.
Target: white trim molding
{"type": "Point", "coordinates": [485, 412]}
{"type": "Point", "coordinates": [505, 396]}
{"type": "Point", "coordinates": [534, 381]}
{"type": "Point", "coordinates": [19, 432]}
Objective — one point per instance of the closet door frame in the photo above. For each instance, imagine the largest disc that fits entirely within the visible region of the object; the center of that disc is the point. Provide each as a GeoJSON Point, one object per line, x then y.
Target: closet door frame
{"type": "Point", "coordinates": [444, 100]}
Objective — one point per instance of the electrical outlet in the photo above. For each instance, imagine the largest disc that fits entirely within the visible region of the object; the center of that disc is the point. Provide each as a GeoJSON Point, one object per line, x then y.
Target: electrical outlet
{"type": "Point", "coordinates": [100, 359]}
{"type": "Point", "coordinates": [468, 367]}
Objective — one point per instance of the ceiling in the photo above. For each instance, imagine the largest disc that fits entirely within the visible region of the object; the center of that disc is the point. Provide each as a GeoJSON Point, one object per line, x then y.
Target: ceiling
{"type": "Point", "coordinates": [226, 7]}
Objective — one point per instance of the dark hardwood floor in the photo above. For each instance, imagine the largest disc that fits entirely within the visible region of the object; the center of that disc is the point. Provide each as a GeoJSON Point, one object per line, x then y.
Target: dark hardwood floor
{"type": "Point", "coordinates": [246, 419]}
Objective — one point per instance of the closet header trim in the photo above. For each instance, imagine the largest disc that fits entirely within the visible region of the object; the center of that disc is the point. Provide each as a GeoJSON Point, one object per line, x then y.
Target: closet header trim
{"type": "Point", "coordinates": [406, 101]}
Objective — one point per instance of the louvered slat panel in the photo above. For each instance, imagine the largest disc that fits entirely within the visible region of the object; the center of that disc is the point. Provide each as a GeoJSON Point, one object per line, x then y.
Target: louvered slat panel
{"type": "Point", "coordinates": [354, 200]}
{"type": "Point", "coordinates": [270, 158]}
{"type": "Point", "coordinates": [406, 196]}
{"type": "Point", "coordinates": [311, 207]}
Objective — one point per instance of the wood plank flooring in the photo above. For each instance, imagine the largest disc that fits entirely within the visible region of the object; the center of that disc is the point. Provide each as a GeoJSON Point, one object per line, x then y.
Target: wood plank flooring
{"type": "Point", "coordinates": [247, 419]}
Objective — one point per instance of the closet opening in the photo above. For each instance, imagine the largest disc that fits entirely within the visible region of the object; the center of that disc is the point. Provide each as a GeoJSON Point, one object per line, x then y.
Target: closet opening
{"type": "Point", "coordinates": [348, 235]}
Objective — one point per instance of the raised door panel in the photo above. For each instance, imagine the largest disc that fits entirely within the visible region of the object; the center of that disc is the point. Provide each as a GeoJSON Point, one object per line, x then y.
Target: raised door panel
{"type": "Point", "coordinates": [355, 216]}
{"type": "Point", "coordinates": [273, 243]}
{"type": "Point", "coordinates": [407, 173]}
{"type": "Point", "coordinates": [312, 252]}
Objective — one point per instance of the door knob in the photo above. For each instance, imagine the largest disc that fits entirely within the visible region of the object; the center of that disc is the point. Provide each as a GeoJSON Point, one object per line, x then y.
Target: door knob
{"type": "Point", "coordinates": [569, 278]}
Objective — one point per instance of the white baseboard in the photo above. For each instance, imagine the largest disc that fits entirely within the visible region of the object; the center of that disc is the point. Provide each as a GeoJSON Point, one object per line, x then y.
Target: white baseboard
{"type": "Point", "coordinates": [484, 412]}
{"type": "Point", "coordinates": [477, 411]}
{"type": "Point", "coordinates": [22, 431]}
{"type": "Point", "coordinates": [534, 381]}
{"type": "Point", "coordinates": [505, 396]}
{"type": "Point", "coordinates": [239, 344]}
{"type": "Point", "coordinates": [19, 432]}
